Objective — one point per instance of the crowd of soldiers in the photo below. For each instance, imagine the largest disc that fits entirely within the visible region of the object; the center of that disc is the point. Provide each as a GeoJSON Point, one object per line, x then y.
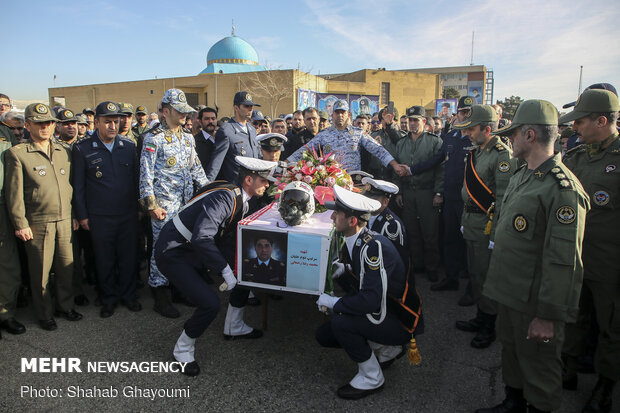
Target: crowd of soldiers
{"type": "Point", "coordinates": [525, 209]}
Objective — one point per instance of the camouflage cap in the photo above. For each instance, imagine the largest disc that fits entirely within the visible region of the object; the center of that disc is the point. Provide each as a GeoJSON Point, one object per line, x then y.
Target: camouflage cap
{"type": "Point", "coordinates": [66, 116]}
{"type": "Point", "coordinates": [341, 105]}
{"type": "Point", "coordinates": [531, 112]}
{"type": "Point", "coordinates": [465, 102]}
{"type": "Point", "coordinates": [416, 112]}
{"type": "Point", "coordinates": [38, 112]}
{"type": "Point", "coordinates": [107, 108]}
{"type": "Point", "coordinates": [176, 98]}
{"type": "Point", "coordinates": [592, 101]}
{"type": "Point", "coordinates": [82, 119]}
{"type": "Point", "coordinates": [323, 114]}
{"type": "Point", "coordinates": [478, 114]}
{"type": "Point", "coordinates": [86, 111]}
{"type": "Point", "coordinates": [141, 110]}
{"type": "Point", "coordinates": [125, 108]}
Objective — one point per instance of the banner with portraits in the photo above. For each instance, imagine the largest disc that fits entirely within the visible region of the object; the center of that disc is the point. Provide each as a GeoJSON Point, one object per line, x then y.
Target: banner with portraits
{"type": "Point", "coordinates": [273, 255]}
{"type": "Point", "coordinates": [358, 104]}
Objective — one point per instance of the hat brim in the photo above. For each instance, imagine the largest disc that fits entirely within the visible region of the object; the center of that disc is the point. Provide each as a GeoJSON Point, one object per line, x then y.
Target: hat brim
{"type": "Point", "coordinates": [569, 117]}
{"type": "Point", "coordinates": [248, 103]}
{"type": "Point", "coordinates": [182, 107]}
{"type": "Point", "coordinates": [41, 119]}
{"type": "Point", "coordinates": [141, 112]}
{"type": "Point", "coordinates": [504, 131]}
{"type": "Point", "coordinates": [569, 105]}
{"type": "Point", "coordinates": [465, 125]}
{"type": "Point", "coordinates": [416, 116]}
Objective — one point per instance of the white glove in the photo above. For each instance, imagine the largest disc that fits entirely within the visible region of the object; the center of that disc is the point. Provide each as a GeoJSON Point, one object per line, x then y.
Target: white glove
{"type": "Point", "coordinates": [327, 301]}
{"type": "Point", "coordinates": [491, 245]}
{"type": "Point", "coordinates": [461, 229]}
{"type": "Point", "coordinates": [338, 269]}
{"type": "Point", "coordinates": [229, 279]}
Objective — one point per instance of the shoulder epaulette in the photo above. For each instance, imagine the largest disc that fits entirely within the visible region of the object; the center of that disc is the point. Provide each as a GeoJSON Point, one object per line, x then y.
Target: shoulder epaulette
{"type": "Point", "coordinates": [389, 217]}
{"type": "Point", "coordinates": [579, 148]}
{"type": "Point", "coordinates": [499, 147]}
{"type": "Point", "coordinates": [561, 178]}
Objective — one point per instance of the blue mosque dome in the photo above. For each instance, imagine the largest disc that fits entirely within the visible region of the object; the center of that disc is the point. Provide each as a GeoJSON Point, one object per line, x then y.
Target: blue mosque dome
{"type": "Point", "coordinates": [232, 54]}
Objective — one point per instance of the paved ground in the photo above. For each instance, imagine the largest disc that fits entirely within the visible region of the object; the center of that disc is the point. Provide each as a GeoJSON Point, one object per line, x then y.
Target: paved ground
{"type": "Point", "coordinates": [285, 370]}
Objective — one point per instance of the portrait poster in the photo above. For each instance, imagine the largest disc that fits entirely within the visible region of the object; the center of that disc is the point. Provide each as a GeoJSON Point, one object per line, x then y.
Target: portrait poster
{"type": "Point", "coordinates": [358, 104]}
{"type": "Point", "coordinates": [306, 99]}
{"type": "Point", "coordinates": [476, 91]}
{"type": "Point", "coordinates": [445, 108]}
{"type": "Point", "coordinates": [264, 256]}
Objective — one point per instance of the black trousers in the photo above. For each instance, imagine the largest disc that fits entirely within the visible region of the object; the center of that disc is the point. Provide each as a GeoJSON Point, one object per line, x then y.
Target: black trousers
{"type": "Point", "coordinates": [182, 268]}
{"type": "Point", "coordinates": [114, 247]}
{"type": "Point", "coordinates": [455, 252]}
{"type": "Point", "coordinates": [352, 332]}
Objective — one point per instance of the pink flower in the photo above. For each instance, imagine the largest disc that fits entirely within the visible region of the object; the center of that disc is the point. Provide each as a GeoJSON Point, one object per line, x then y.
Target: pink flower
{"type": "Point", "coordinates": [330, 181]}
{"type": "Point", "coordinates": [308, 179]}
{"type": "Point", "coordinates": [298, 177]}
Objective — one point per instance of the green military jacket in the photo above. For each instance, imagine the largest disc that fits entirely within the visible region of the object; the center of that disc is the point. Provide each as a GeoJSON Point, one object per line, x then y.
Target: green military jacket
{"type": "Point", "coordinates": [410, 152]}
{"type": "Point", "coordinates": [495, 166]}
{"type": "Point", "coordinates": [536, 265]}
{"type": "Point", "coordinates": [139, 130]}
{"type": "Point", "coordinates": [388, 137]}
{"type": "Point", "coordinates": [600, 176]}
{"type": "Point", "coordinates": [131, 136]}
{"type": "Point", "coordinates": [37, 188]}
{"type": "Point", "coordinates": [6, 134]}
{"type": "Point", "coordinates": [5, 145]}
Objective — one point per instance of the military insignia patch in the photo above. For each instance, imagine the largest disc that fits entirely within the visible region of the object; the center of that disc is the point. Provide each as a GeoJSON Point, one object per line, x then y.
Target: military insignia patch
{"type": "Point", "coordinates": [539, 174]}
{"type": "Point", "coordinates": [112, 107]}
{"type": "Point", "coordinates": [273, 142]}
{"type": "Point", "coordinates": [168, 138]}
{"type": "Point", "coordinates": [358, 242]}
{"type": "Point", "coordinates": [610, 168]}
{"type": "Point", "coordinates": [519, 223]}
{"type": "Point", "coordinates": [62, 171]}
{"type": "Point", "coordinates": [248, 97]}
{"type": "Point", "coordinates": [561, 176]}
{"type": "Point", "coordinates": [150, 147]}
{"type": "Point", "coordinates": [601, 198]}
{"type": "Point", "coordinates": [187, 142]}
{"type": "Point", "coordinates": [564, 183]}
{"type": "Point", "coordinates": [566, 214]}
{"type": "Point", "coordinates": [42, 172]}
{"type": "Point", "coordinates": [182, 97]}
{"type": "Point", "coordinates": [379, 218]}
{"type": "Point", "coordinates": [555, 170]}
{"type": "Point", "coordinates": [243, 152]}
{"type": "Point", "coordinates": [140, 108]}
{"type": "Point", "coordinates": [40, 108]}
{"type": "Point", "coordinates": [504, 166]}
{"type": "Point", "coordinates": [467, 101]}
{"type": "Point", "coordinates": [68, 114]}
{"type": "Point", "coordinates": [374, 263]}
{"type": "Point", "coordinates": [98, 174]}
{"type": "Point", "coordinates": [171, 161]}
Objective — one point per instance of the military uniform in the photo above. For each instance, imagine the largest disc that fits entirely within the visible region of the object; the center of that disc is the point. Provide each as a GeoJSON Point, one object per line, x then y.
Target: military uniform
{"type": "Point", "coordinates": [392, 227]}
{"type": "Point", "coordinates": [10, 271]}
{"type": "Point", "coordinates": [388, 137]}
{"type": "Point", "coordinates": [38, 193]}
{"type": "Point", "coordinates": [273, 272]}
{"type": "Point", "coordinates": [106, 191]}
{"type": "Point", "coordinates": [169, 171]}
{"type": "Point", "coordinates": [420, 217]}
{"type": "Point", "coordinates": [232, 139]}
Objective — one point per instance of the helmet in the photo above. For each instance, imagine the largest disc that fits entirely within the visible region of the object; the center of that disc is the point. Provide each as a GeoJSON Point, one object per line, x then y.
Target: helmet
{"type": "Point", "coordinates": [296, 203]}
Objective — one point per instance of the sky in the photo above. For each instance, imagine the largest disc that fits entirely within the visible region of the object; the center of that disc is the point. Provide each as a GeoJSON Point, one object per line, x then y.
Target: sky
{"type": "Point", "coordinates": [534, 48]}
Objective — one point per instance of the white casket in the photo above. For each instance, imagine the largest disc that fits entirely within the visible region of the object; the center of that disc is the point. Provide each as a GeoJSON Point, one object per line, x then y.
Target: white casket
{"type": "Point", "coordinates": [294, 258]}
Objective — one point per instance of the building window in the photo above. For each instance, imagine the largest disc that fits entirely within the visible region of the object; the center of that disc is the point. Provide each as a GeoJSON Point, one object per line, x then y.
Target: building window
{"type": "Point", "coordinates": [385, 93]}
{"type": "Point", "coordinates": [192, 99]}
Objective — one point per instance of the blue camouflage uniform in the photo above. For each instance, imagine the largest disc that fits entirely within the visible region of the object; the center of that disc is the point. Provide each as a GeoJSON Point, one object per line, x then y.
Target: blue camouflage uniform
{"type": "Point", "coordinates": [169, 172]}
{"type": "Point", "coordinates": [346, 144]}
{"type": "Point", "coordinates": [232, 139]}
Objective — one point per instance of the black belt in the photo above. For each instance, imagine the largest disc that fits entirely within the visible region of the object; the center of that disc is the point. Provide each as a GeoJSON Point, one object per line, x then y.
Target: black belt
{"type": "Point", "coordinates": [474, 209]}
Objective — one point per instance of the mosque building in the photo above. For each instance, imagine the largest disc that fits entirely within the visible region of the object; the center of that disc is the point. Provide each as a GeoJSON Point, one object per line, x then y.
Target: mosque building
{"type": "Point", "coordinates": [233, 65]}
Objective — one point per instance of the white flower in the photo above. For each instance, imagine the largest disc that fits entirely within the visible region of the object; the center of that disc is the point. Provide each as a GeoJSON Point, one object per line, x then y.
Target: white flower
{"type": "Point", "coordinates": [298, 177]}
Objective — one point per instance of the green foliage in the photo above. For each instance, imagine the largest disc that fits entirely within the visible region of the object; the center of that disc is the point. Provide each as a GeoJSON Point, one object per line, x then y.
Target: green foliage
{"type": "Point", "coordinates": [509, 106]}
{"type": "Point", "coordinates": [451, 93]}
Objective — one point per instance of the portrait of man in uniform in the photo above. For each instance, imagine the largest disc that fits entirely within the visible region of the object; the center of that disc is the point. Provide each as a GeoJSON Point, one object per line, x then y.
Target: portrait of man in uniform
{"type": "Point", "coordinates": [264, 268]}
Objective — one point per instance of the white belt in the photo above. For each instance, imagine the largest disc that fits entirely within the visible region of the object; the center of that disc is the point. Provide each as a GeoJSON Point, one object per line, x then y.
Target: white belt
{"type": "Point", "coordinates": [178, 224]}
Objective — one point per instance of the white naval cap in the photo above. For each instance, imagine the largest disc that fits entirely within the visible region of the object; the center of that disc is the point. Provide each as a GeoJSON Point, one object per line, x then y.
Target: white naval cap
{"type": "Point", "coordinates": [353, 203]}
{"type": "Point", "coordinates": [257, 166]}
{"type": "Point", "coordinates": [271, 141]}
{"type": "Point", "coordinates": [374, 187]}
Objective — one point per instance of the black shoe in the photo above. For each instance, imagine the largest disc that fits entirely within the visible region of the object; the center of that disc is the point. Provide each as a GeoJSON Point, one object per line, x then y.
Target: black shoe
{"type": "Point", "coordinates": [12, 326]}
{"type": "Point", "coordinates": [349, 392]}
{"type": "Point", "coordinates": [253, 301]}
{"type": "Point", "coordinates": [255, 333]}
{"type": "Point", "coordinates": [471, 326]}
{"type": "Point", "coordinates": [466, 301]}
{"type": "Point", "coordinates": [133, 305]}
{"type": "Point", "coordinates": [446, 285]}
{"type": "Point", "coordinates": [600, 401]}
{"type": "Point", "coordinates": [163, 305]}
{"type": "Point", "coordinates": [70, 315]}
{"type": "Point", "coordinates": [483, 339]}
{"type": "Point", "coordinates": [81, 300]}
{"type": "Point", "coordinates": [386, 364]}
{"type": "Point", "coordinates": [513, 403]}
{"type": "Point", "coordinates": [191, 369]}
{"type": "Point", "coordinates": [49, 325]}
{"type": "Point", "coordinates": [106, 311]}
{"type": "Point", "coordinates": [432, 276]}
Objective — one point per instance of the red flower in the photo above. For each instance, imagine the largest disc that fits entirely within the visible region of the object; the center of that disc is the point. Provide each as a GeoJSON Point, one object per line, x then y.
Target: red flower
{"type": "Point", "coordinates": [323, 194]}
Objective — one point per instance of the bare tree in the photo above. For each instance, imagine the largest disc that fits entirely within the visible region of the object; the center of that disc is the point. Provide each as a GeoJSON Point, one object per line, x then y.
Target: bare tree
{"type": "Point", "coordinates": [270, 86]}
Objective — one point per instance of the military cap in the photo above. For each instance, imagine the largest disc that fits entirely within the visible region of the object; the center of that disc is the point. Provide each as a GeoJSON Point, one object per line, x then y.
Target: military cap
{"type": "Point", "coordinates": [141, 110]}
{"type": "Point", "coordinates": [465, 102]}
{"type": "Point", "coordinates": [66, 116]}
{"type": "Point", "coordinates": [341, 105]}
{"type": "Point", "coordinates": [591, 101]}
{"type": "Point", "coordinates": [416, 112]}
{"type": "Point", "coordinates": [243, 98]}
{"type": "Point", "coordinates": [604, 86]}
{"type": "Point", "coordinates": [57, 109]}
{"type": "Point", "coordinates": [125, 108]}
{"type": "Point", "coordinates": [81, 119]}
{"type": "Point", "coordinates": [86, 111]}
{"type": "Point", "coordinates": [567, 133]}
{"type": "Point", "coordinates": [256, 166]}
{"type": "Point", "coordinates": [268, 119]}
{"type": "Point", "coordinates": [531, 112]}
{"type": "Point", "coordinates": [176, 98]}
{"type": "Point", "coordinates": [357, 176]}
{"type": "Point", "coordinates": [289, 116]}
{"type": "Point", "coordinates": [478, 114]}
{"type": "Point", "coordinates": [257, 115]}
{"type": "Point", "coordinates": [323, 114]}
{"type": "Point", "coordinates": [38, 112]}
{"type": "Point", "coordinates": [352, 203]}
{"type": "Point", "coordinates": [271, 142]}
{"type": "Point", "coordinates": [377, 187]}
{"type": "Point", "coordinates": [107, 108]}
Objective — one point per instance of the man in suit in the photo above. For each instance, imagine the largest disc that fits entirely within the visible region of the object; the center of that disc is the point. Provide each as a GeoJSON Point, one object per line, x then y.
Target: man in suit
{"type": "Point", "coordinates": [205, 138]}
